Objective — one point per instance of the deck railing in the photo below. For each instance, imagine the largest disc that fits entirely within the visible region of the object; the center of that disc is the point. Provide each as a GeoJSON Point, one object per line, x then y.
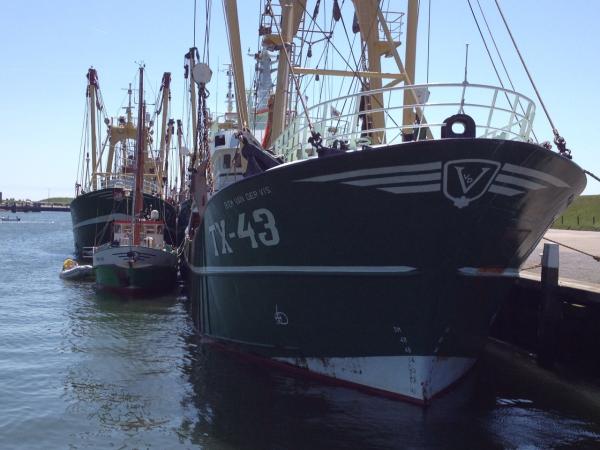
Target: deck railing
{"type": "Point", "coordinates": [126, 181]}
{"type": "Point", "coordinates": [498, 114]}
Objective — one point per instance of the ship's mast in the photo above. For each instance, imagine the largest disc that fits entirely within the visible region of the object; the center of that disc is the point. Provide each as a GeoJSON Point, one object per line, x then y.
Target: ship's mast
{"type": "Point", "coordinates": [91, 93]}
{"type": "Point", "coordinates": [181, 158]}
{"type": "Point", "coordinates": [372, 22]}
{"type": "Point", "coordinates": [192, 57]}
{"type": "Point", "coordinates": [120, 133]}
{"type": "Point", "coordinates": [235, 50]}
{"type": "Point", "coordinates": [291, 14]}
{"type": "Point", "coordinates": [368, 20]}
{"type": "Point", "coordinates": [138, 195]}
{"type": "Point", "coordinates": [164, 136]}
{"type": "Point", "coordinates": [169, 135]}
{"type": "Point", "coordinates": [410, 60]}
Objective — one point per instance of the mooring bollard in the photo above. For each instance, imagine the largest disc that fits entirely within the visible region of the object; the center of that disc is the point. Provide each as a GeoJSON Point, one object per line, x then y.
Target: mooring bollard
{"type": "Point", "coordinates": [550, 314]}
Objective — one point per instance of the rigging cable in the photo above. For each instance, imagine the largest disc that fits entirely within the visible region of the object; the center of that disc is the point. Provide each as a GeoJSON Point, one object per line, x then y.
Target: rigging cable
{"type": "Point", "coordinates": [314, 134]}
{"type": "Point", "coordinates": [194, 23]}
{"type": "Point", "coordinates": [83, 146]}
{"type": "Point", "coordinates": [495, 46]}
{"type": "Point", "coordinates": [310, 31]}
{"type": "Point", "coordinates": [360, 62]}
{"type": "Point", "coordinates": [205, 50]}
{"type": "Point", "coordinates": [354, 70]}
{"type": "Point", "coordinates": [203, 117]}
{"type": "Point", "coordinates": [558, 139]}
{"type": "Point", "coordinates": [487, 49]}
{"type": "Point", "coordinates": [501, 60]}
{"type": "Point", "coordinates": [254, 79]}
{"type": "Point", "coordinates": [363, 59]}
{"type": "Point", "coordinates": [429, 35]}
{"type": "Point", "coordinates": [326, 59]}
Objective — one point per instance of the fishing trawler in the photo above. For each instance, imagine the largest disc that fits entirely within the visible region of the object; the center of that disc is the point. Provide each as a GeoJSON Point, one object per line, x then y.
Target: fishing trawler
{"type": "Point", "coordinates": [137, 259]}
{"type": "Point", "coordinates": [376, 233]}
{"type": "Point", "coordinates": [105, 180]}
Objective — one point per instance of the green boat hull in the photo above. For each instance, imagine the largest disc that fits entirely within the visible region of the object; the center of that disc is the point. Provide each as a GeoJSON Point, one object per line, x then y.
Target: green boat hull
{"type": "Point", "coordinates": [135, 270]}
{"type": "Point", "coordinates": [382, 268]}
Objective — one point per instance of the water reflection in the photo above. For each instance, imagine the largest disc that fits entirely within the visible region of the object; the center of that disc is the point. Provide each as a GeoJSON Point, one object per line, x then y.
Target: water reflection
{"type": "Point", "coordinates": [137, 376]}
{"type": "Point", "coordinates": [244, 405]}
{"type": "Point", "coordinates": [124, 379]}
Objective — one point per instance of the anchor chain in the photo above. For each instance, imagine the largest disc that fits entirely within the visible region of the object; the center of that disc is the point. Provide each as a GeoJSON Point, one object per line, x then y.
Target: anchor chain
{"type": "Point", "coordinates": [203, 121]}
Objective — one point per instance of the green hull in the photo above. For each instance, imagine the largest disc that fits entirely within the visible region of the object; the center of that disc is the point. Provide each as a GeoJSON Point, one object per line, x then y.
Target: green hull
{"type": "Point", "coordinates": [131, 270]}
{"type": "Point", "coordinates": [383, 267]}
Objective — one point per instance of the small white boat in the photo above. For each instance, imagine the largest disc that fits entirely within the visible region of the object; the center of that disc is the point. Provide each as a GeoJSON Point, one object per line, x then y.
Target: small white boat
{"type": "Point", "coordinates": [73, 271]}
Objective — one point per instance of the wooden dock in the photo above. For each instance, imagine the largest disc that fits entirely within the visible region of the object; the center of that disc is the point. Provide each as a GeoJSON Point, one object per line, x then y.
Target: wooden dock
{"type": "Point", "coordinates": [554, 311]}
{"type": "Point", "coordinates": [574, 267]}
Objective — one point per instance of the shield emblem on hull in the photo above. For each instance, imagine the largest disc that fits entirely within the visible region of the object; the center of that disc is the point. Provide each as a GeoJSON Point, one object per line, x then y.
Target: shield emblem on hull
{"type": "Point", "coordinates": [466, 180]}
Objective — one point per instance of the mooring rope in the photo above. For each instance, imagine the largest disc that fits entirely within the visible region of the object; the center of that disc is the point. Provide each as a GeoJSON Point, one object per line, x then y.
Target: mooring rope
{"type": "Point", "coordinates": [596, 258]}
{"type": "Point", "coordinates": [587, 172]}
{"type": "Point", "coordinates": [535, 266]}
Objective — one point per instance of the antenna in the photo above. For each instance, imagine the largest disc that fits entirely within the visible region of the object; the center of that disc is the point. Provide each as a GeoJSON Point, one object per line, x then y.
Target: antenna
{"type": "Point", "coordinates": [461, 110]}
{"type": "Point", "coordinates": [466, 62]}
{"type": "Point", "coordinates": [230, 94]}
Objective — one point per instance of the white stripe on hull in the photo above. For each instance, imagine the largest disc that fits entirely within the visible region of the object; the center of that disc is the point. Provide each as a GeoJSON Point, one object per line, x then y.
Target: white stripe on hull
{"type": "Point", "coordinates": [102, 219]}
{"type": "Point", "coordinates": [376, 171]}
{"type": "Point", "coordinates": [329, 270]}
{"type": "Point", "coordinates": [520, 170]}
{"type": "Point", "coordinates": [412, 189]}
{"type": "Point", "coordinates": [417, 377]}
{"type": "Point", "coordinates": [395, 179]}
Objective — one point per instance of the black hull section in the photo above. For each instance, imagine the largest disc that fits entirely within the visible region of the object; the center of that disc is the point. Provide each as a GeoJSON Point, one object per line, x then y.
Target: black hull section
{"type": "Point", "coordinates": [183, 219]}
{"type": "Point", "coordinates": [93, 212]}
{"type": "Point", "coordinates": [394, 258]}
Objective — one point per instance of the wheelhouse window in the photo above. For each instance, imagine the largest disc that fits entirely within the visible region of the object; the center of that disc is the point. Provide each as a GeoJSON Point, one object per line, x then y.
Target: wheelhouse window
{"type": "Point", "coordinates": [219, 140]}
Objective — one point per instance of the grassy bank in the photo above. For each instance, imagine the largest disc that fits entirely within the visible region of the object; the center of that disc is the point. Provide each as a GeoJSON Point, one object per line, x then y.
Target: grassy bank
{"type": "Point", "coordinates": [57, 200]}
{"type": "Point", "coordinates": [583, 214]}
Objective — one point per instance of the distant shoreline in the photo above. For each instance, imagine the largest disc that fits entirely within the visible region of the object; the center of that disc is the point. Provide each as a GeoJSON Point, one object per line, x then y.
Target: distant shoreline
{"type": "Point", "coordinates": [34, 208]}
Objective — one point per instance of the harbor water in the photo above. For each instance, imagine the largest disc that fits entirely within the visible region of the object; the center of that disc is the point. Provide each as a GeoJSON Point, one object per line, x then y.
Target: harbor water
{"type": "Point", "coordinates": [83, 370]}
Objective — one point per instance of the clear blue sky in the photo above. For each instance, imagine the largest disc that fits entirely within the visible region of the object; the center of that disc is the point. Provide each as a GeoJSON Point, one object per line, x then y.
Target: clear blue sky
{"type": "Point", "coordinates": [47, 47]}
